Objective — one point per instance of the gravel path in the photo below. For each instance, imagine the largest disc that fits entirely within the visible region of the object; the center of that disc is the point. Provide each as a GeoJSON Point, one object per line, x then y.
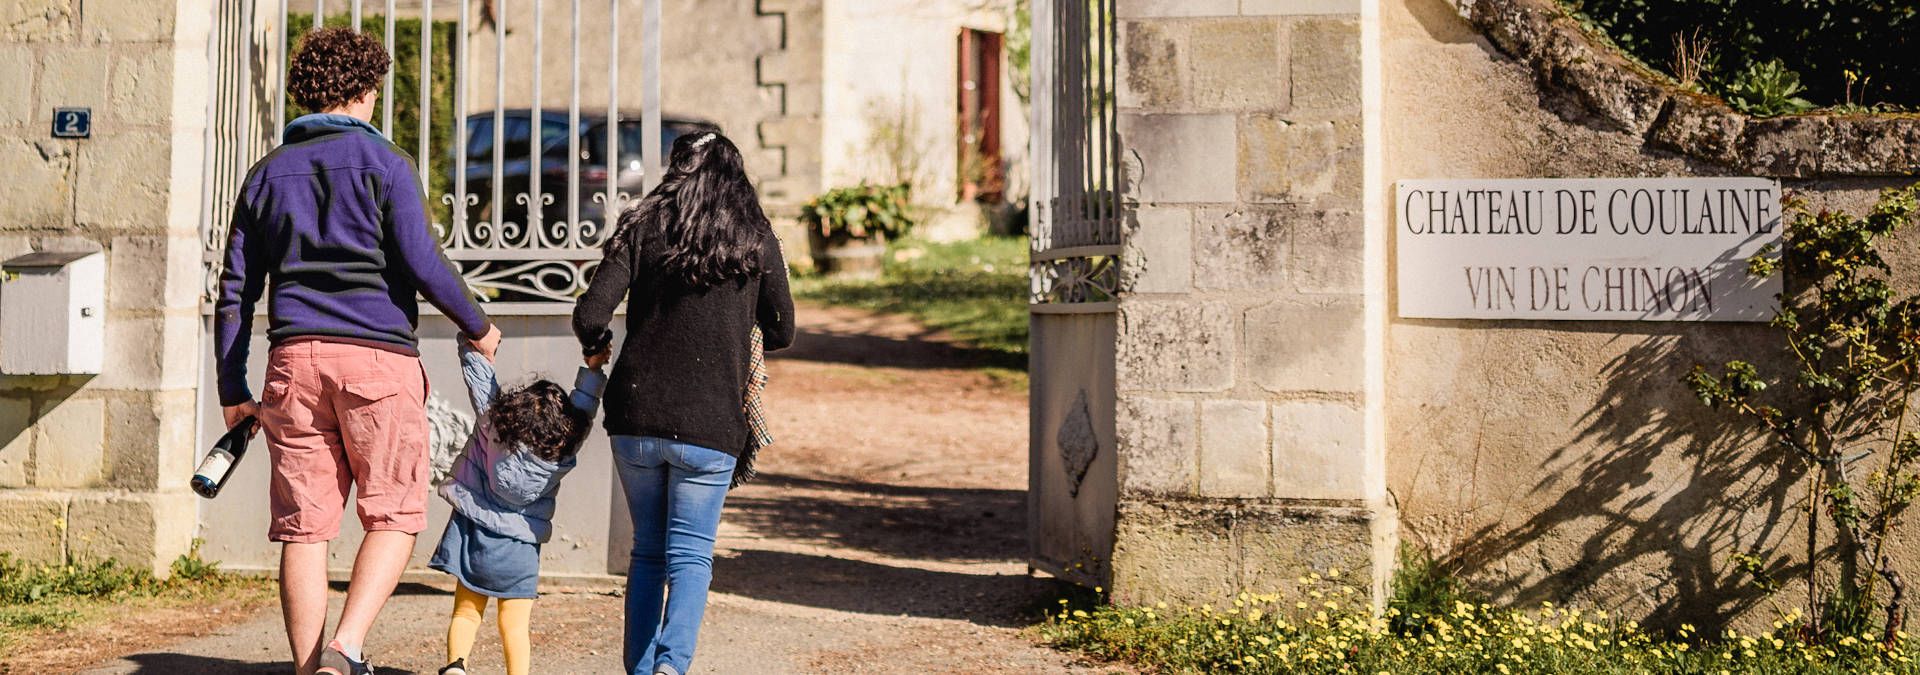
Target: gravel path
{"type": "Point", "coordinates": [886, 536]}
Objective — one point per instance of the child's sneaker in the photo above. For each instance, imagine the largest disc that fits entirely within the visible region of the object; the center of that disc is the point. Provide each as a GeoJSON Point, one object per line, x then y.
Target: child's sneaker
{"type": "Point", "coordinates": [458, 667]}
{"type": "Point", "coordinates": [334, 658]}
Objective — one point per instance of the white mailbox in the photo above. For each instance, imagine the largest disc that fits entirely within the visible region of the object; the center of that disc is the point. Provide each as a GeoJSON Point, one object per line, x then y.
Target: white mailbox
{"type": "Point", "coordinates": [53, 313]}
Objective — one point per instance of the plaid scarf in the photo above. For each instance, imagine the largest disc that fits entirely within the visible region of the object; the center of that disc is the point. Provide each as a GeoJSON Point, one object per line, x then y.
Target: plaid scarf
{"type": "Point", "coordinates": [759, 436]}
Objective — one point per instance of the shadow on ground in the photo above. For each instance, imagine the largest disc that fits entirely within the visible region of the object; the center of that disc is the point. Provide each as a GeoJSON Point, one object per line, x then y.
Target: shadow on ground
{"type": "Point", "coordinates": [921, 523]}
{"type": "Point", "coordinates": [827, 582]}
{"type": "Point", "coordinates": [165, 663]}
{"type": "Point", "coordinates": [851, 530]}
{"type": "Point", "coordinates": [910, 351]}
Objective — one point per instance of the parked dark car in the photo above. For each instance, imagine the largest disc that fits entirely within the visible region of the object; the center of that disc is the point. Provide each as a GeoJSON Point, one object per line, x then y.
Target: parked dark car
{"type": "Point", "coordinates": [592, 131]}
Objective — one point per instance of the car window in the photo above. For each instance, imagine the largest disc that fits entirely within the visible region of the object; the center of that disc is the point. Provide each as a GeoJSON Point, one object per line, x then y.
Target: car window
{"type": "Point", "coordinates": [596, 140]}
{"type": "Point", "coordinates": [479, 136]}
{"type": "Point", "coordinates": [516, 129]}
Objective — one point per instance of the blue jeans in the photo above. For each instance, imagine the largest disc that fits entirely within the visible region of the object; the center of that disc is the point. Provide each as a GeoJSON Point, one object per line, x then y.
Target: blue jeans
{"type": "Point", "coordinates": [674, 492]}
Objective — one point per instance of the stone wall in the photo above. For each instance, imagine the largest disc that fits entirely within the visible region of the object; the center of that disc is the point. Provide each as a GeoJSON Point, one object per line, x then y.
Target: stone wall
{"type": "Point", "coordinates": [1241, 362]}
{"type": "Point", "coordinates": [1564, 461]}
{"type": "Point", "coordinates": [1273, 418]}
{"type": "Point", "coordinates": [95, 467]}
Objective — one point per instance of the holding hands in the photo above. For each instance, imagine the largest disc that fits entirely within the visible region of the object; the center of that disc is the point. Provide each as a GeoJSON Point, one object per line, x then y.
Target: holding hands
{"type": "Point", "coordinates": [600, 351]}
{"type": "Point", "coordinates": [488, 344]}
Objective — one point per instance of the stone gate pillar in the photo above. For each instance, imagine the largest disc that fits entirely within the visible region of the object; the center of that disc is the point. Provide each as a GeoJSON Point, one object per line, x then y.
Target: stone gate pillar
{"type": "Point", "coordinates": [95, 466]}
{"type": "Point", "coordinates": [1248, 412]}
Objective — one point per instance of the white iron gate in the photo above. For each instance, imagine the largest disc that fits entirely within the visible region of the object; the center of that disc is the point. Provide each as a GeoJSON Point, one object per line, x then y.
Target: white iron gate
{"type": "Point", "coordinates": [513, 111]}
{"type": "Point", "coordinates": [1076, 246]}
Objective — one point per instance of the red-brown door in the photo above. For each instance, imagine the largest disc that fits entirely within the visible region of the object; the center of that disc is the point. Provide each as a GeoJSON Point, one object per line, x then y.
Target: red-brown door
{"type": "Point", "coordinates": [982, 170]}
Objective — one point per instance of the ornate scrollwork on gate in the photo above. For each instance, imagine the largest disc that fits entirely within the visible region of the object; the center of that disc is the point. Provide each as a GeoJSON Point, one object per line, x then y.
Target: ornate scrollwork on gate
{"type": "Point", "coordinates": [1079, 279]}
{"type": "Point", "coordinates": [504, 261]}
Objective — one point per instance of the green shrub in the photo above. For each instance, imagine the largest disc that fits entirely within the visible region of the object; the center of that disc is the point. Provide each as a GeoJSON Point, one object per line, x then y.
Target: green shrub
{"type": "Point", "coordinates": [1329, 628]}
{"type": "Point", "coordinates": [23, 583]}
{"type": "Point", "coordinates": [1423, 588]}
{"type": "Point", "coordinates": [1767, 89]}
{"type": "Point", "coordinates": [860, 212]}
{"type": "Point", "coordinates": [1822, 40]}
{"type": "Point", "coordinates": [53, 596]}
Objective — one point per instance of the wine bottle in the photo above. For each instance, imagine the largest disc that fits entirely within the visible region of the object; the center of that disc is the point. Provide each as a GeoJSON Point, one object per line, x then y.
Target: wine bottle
{"type": "Point", "coordinates": [221, 460]}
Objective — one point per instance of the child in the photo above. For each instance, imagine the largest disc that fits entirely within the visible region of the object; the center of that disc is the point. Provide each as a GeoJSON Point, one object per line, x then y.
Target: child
{"type": "Point", "coordinates": [502, 496]}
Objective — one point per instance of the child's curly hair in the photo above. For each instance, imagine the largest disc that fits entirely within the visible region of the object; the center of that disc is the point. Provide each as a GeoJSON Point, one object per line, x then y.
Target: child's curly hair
{"type": "Point", "coordinates": [334, 67]}
{"type": "Point", "coordinates": [540, 418]}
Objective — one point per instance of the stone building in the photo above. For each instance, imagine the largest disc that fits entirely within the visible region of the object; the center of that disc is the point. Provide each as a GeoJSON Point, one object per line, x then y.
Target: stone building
{"type": "Point", "coordinates": [1227, 393]}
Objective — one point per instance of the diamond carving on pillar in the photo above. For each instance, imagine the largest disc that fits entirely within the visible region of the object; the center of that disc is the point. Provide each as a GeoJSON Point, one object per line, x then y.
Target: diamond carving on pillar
{"type": "Point", "coordinates": [1077, 442]}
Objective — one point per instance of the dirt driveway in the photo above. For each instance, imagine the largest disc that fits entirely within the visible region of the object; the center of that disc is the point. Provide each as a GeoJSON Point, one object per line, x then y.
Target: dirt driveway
{"type": "Point", "coordinates": [885, 536]}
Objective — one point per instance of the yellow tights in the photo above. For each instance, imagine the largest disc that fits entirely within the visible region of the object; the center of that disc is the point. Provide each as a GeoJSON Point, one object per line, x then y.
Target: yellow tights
{"type": "Point", "coordinates": [513, 614]}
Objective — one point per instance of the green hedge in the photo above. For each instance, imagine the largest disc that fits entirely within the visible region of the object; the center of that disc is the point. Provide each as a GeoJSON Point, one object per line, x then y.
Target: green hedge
{"type": "Point", "coordinates": [406, 90]}
{"type": "Point", "coordinates": [1819, 40]}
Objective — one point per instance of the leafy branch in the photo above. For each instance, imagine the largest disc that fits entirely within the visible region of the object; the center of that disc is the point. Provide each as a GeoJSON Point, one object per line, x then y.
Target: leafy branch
{"type": "Point", "coordinates": [1838, 400]}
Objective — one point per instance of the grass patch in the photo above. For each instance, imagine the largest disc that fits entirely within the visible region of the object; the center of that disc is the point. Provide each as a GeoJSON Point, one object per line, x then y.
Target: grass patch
{"type": "Point", "coordinates": [975, 290]}
{"type": "Point", "coordinates": [1325, 626]}
{"type": "Point", "coordinates": [38, 599]}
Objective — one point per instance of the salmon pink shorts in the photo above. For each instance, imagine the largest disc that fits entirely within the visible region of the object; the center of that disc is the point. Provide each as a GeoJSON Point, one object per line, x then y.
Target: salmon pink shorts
{"type": "Point", "coordinates": [339, 414]}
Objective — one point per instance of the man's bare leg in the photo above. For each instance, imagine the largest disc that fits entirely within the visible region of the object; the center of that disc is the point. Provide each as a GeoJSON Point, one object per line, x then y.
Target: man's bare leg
{"type": "Point", "coordinates": [303, 601]}
{"type": "Point", "coordinates": [376, 571]}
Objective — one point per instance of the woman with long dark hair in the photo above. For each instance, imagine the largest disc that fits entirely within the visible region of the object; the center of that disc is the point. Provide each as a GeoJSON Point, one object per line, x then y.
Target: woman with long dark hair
{"type": "Point", "coordinates": [699, 268]}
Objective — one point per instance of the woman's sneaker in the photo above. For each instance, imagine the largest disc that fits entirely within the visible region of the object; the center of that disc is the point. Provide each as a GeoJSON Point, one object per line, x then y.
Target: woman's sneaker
{"type": "Point", "coordinates": [458, 667]}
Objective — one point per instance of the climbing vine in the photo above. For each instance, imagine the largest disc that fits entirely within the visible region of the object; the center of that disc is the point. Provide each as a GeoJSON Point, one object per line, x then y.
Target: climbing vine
{"type": "Point", "coordinates": [1836, 407]}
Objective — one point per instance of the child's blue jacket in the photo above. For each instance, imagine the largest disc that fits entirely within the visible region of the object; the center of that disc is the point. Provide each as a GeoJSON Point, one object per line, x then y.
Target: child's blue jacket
{"type": "Point", "coordinates": [509, 490]}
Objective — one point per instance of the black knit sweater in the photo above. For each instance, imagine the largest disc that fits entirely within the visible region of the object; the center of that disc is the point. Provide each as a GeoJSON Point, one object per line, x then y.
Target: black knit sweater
{"type": "Point", "coordinates": [681, 372]}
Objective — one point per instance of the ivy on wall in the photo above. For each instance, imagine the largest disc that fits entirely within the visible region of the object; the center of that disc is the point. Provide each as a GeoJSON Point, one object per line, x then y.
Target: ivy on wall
{"type": "Point", "coordinates": [1763, 54]}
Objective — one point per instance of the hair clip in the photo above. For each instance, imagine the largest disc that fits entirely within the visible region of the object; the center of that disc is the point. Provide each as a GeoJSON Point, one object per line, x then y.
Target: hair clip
{"type": "Point", "coordinates": [703, 139]}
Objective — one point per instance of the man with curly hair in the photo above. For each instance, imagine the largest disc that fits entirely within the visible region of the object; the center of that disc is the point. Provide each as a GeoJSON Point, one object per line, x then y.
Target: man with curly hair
{"type": "Point", "coordinates": [333, 224]}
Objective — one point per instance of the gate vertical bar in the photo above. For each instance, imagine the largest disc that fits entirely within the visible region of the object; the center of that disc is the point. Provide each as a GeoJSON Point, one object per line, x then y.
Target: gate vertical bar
{"type": "Point", "coordinates": [610, 208]}
{"type": "Point", "coordinates": [573, 132]}
{"type": "Point", "coordinates": [498, 204]}
{"type": "Point", "coordinates": [1041, 137]}
{"type": "Point", "coordinates": [460, 127]}
{"type": "Point", "coordinates": [650, 49]}
{"type": "Point", "coordinates": [1104, 125]}
{"type": "Point", "coordinates": [386, 97]}
{"type": "Point", "coordinates": [281, 47]}
{"type": "Point", "coordinates": [355, 13]}
{"type": "Point", "coordinates": [426, 92]}
{"type": "Point", "coordinates": [536, 146]}
{"type": "Point", "coordinates": [209, 159]}
{"type": "Point", "coordinates": [319, 13]}
{"type": "Point", "coordinates": [1108, 117]}
{"type": "Point", "coordinates": [246, 76]}
{"type": "Point", "coordinates": [1110, 161]}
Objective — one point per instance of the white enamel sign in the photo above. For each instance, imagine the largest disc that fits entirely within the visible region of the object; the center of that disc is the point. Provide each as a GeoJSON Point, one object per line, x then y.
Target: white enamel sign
{"type": "Point", "coordinates": [1628, 249]}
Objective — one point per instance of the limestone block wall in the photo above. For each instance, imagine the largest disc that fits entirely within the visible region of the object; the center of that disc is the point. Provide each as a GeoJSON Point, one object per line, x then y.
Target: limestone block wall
{"type": "Point", "coordinates": [94, 467]}
{"type": "Point", "coordinates": [1244, 453]}
{"type": "Point", "coordinates": [1564, 461]}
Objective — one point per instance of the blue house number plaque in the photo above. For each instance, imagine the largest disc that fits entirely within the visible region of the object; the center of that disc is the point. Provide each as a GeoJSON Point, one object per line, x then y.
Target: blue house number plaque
{"type": "Point", "coordinates": [72, 122]}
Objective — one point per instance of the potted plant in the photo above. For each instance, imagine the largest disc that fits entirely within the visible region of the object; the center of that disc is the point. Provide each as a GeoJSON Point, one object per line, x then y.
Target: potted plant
{"type": "Point", "coordinates": [848, 227]}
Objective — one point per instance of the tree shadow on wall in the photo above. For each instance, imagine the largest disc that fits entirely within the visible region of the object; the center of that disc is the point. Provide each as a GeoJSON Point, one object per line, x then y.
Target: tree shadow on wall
{"type": "Point", "coordinates": [1669, 483]}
